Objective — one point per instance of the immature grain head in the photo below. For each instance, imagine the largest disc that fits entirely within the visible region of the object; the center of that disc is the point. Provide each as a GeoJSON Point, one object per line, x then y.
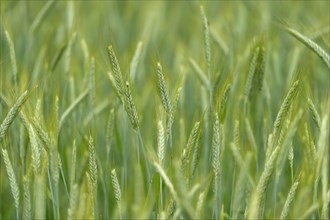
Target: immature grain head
{"type": "Point", "coordinates": [288, 101]}
{"type": "Point", "coordinates": [315, 114]}
{"type": "Point", "coordinates": [162, 88]}
{"type": "Point", "coordinates": [161, 142]}
{"type": "Point", "coordinates": [117, 72]}
{"type": "Point", "coordinates": [12, 179]}
{"type": "Point", "coordinates": [12, 114]}
{"type": "Point", "coordinates": [92, 162]}
{"type": "Point", "coordinates": [116, 186]}
{"type": "Point", "coordinates": [286, 208]}
{"type": "Point", "coordinates": [130, 108]}
{"type": "Point", "coordinates": [207, 45]}
{"type": "Point", "coordinates": [311, 45]}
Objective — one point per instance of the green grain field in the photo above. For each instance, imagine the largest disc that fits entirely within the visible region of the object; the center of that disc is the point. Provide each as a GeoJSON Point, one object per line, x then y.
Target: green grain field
{"type": "Point", "coordinates": [164, 109]}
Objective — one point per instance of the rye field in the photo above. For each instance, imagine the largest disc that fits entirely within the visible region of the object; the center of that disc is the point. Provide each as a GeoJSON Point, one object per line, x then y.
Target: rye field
{"type": "Point", "coordinates": [164, 109]}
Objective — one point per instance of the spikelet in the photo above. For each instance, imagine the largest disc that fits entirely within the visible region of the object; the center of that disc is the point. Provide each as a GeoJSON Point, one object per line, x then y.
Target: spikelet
{"type": "Point", "coordinates": [285, 210]}
{"type": "Point", "coordinates": [54, 166]}
{"type": "Point", "coordinates": [90, 211]}
{"type": "Point", "coordinates": [12, 58]}
{"type": "Point", "coordinates": [161, 142]}
{"type": "Point", "coordinates": [171, 208]}
{"type": "Point", "coordinates": [256, 70]}
{"type": "Point", "coordinates": [311, 45]}
{"type": "Point", "coordinates": [290, 97]}
{"type": "Point", "coordinates": [262, 185]}
{"type": "Point", "coordinates": [110, 127]}
{"type": "Point", "coordinates": [260, 67]}
{"type": "Point", "coordinates": [117, 72]}
{"type": "Point", "coordinates": [130, 108]}
{"type": "Point", "coordinates": [223, 102]}
{"type": "Point", "coordinates": [22, 150]}
{"type": "Point", "coordinates": [41, 133]}
{"type": "Point", "coordinates": [290, 158]}
{"type": "Point", "coordinates": [237, 134]}
{"type": "Point", "coordinates": [12, 179]}
{"type": "Point", "coordinates": [192, 140]}
{"type": "Point", "coordinates": [92, 162]}
{"type": "Point", "coordinates": [207, 46]}
{"type": "Point", "coordinates": [195, 155]}
{"type": "Point", "coordinates": [184, 160]}
{"type": "Point", "coordinates": [162, 88]}
{"type": "Point", "coordinates": [12, 114]}
{"type": "Point", "coordinates": [315, 115]}
{"type": "Point", "coordinates": [174, 108]}
{"type": "Point", "coordinates": [240, 188]}
{"type": "Point", "coordinates": [310, 146]}
{"type": "Point", "coordinates": [116, 186]}
{"type": "Point", "coordinates": [114, 86]}
{"type": "Point", "coordinates": [200, 203]}
{"type": "Point", "coordinates": [73, 165]}
{"type": "Point", "coordinates": [193, 152]}
{"type": "Point", "coordinates": [36, 154]}
{"type": "Point", "coordinates": [38, 110]}
{"type": "Point", "coordinates": [216, 152]}
{"type": "Point", "coordinates": [250, 77]}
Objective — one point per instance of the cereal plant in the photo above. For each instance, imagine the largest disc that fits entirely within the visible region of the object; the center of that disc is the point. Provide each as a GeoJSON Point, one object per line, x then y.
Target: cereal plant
{"type": "Point", "coordinates": [164, 109]}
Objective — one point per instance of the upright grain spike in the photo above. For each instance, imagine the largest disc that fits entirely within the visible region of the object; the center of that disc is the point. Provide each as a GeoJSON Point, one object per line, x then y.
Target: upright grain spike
{"type": "Point", "coordinates": [223, 102]}
{"type": "Point", "coordinates": [253, 210]}
{"type": "Point", "coordinates": [315, 114]}
{"type": "Point", "coordinates": [162, 88]}
{"type": "Point", "coordinates": [290, 97]}
{"type": "Point", "coordinates": [116, 188]}
{"type": "Point", "coordinates": [216, 152]}
{"type": "Point", "coordinates": [117, 72]}
{"type": "Point", "coordinates": [35, 151]}
{"type": "Point", "coordinates": [207, 45]}
{"type": "Point", "coordinates": [92, 162]}
{"type": "Point", "coordinates": [130, 108]}
{"type": "Point", "coordinates": [161, 142]}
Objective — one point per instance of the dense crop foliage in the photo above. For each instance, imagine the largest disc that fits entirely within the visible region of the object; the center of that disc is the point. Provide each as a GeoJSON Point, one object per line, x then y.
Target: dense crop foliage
{"type": "Point", "coordinates": [115, 110]}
